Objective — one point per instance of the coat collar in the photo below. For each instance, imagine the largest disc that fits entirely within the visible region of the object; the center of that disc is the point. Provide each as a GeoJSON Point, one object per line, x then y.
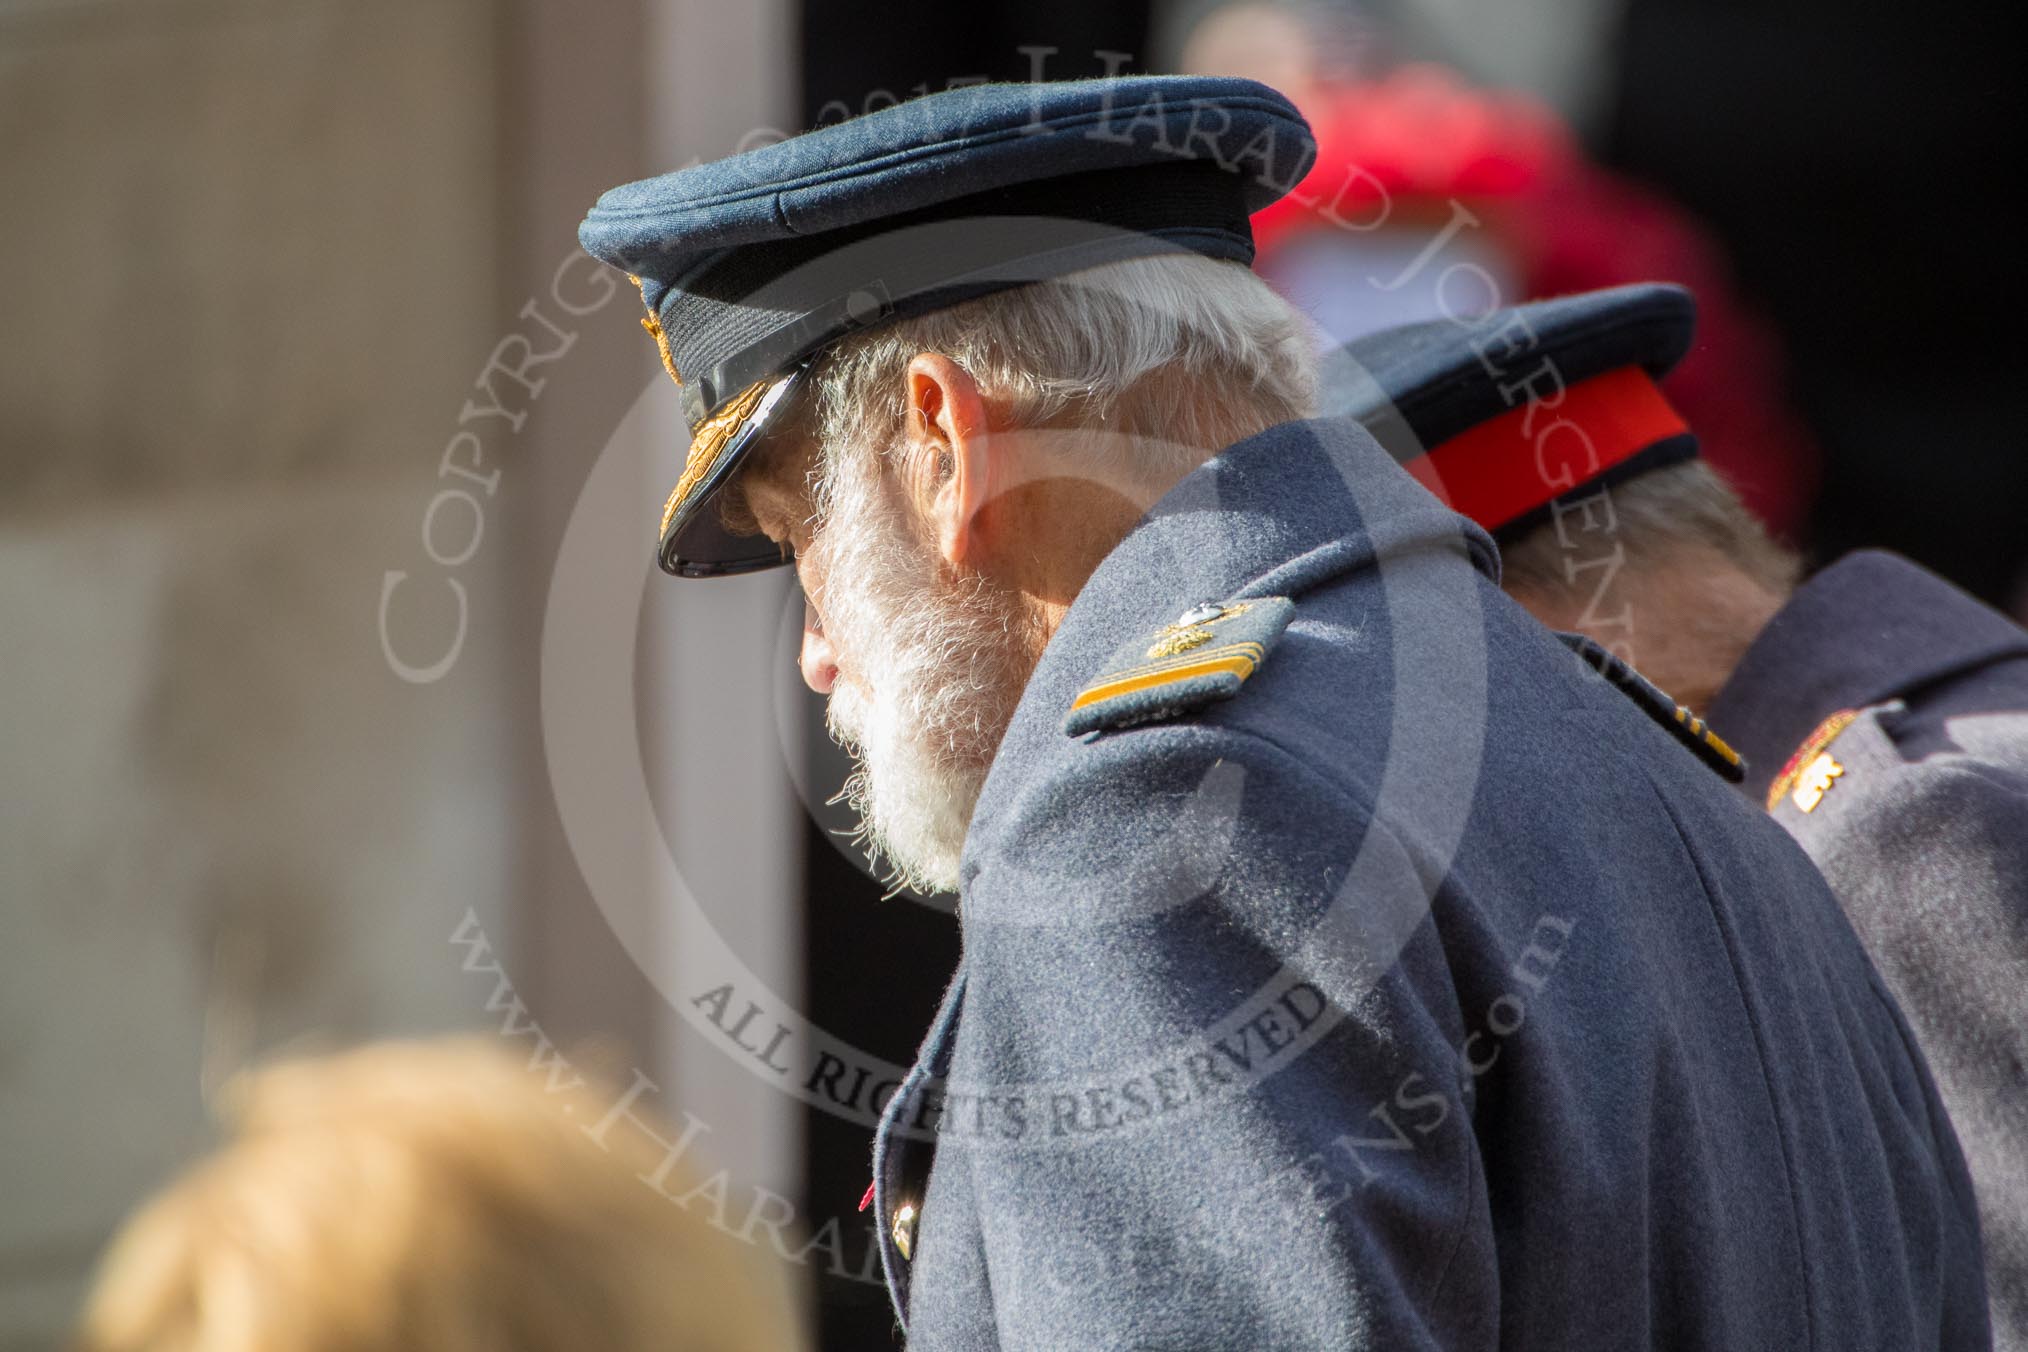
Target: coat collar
{"type": "Point", "coordinates": [1274, 515]}
{"type": "Point", "coordinates": [1871, 627]}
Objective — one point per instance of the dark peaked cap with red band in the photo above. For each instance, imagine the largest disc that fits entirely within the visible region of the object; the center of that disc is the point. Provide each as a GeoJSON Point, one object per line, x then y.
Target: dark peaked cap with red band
{"type": "Point", "coordinates": [750, 266]}
{"type": "Point", "coordinates": [1504, 415]}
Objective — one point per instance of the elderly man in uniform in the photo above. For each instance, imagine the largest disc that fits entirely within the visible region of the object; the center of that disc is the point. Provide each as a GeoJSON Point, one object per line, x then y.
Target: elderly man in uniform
{"type": "Point", "coordinates": [1344, 964]}
{"type": "Point", "coordinates": [1883, 712]}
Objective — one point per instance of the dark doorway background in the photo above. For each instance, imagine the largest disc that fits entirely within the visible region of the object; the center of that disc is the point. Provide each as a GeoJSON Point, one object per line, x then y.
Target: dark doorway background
{"type": "Point", "coordinates": [1860, 160]}
{"type": "Point", "coordinates": [854, 50]}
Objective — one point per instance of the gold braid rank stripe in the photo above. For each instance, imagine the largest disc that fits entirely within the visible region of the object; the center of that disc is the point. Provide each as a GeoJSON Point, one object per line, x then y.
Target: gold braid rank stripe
{"type": "Point", "coordinates": [708, 444]}
{"type": "Point", "coordinates": [1238, 658]}
{"type": "Point", "coordinates": [1703, 733]}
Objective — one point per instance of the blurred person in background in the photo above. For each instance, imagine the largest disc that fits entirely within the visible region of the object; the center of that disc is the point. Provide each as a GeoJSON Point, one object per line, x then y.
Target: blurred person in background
{"type": "Point", "coordinates": [430, 1195]}
{"type": "Point", "coordinates": [1883, 713]}
{"type": "Point", "coordinates": [1433, 197]}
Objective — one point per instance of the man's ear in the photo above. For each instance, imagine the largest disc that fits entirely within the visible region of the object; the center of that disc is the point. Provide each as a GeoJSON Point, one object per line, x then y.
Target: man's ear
{"type": "Point", "coordinates": [952, 472]}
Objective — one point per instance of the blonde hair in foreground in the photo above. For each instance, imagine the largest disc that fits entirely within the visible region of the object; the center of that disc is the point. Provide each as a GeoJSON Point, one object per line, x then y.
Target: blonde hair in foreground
{"type": "Point", "coordinates": [427, 1195]}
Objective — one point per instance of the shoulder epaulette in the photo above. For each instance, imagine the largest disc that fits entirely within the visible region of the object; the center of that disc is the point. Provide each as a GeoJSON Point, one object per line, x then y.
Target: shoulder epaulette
{"type": "Point", "coordinates": [1204, 655]}
{"type": "Point", "coordinates": [1687, 727]}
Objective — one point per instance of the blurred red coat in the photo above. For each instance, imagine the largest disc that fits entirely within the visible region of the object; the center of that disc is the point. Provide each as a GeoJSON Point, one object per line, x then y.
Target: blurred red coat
{"type": "Point", "coordinates": [1410, 151]}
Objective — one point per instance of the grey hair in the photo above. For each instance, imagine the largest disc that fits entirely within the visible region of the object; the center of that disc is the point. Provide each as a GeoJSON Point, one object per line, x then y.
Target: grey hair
{"type": "Point", "coordinates": [1172, 355]}
{"type": "Point", "coordinates": [1656, 517]}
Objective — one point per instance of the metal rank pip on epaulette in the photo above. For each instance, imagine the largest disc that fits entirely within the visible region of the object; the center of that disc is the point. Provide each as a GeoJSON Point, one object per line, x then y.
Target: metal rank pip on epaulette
{"type": "Point", "coordinates": [1202, 656]}
{"type": "Point", "coordinates": [1685, 726]}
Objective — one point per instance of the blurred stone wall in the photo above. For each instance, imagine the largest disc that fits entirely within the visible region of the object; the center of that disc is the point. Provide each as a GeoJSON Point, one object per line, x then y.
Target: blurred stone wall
{"type": "Point", "coordinates": [250, 264]}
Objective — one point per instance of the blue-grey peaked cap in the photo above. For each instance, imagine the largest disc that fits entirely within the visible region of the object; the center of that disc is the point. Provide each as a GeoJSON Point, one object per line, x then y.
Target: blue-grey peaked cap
{"type": "Point", "coordinates": [750, 265]}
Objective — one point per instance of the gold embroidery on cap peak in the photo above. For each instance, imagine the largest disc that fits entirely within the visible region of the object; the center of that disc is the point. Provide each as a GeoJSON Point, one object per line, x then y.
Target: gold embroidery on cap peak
{"type": "Point", "coordinates": [713, 435]}
{"type": "Point", "coordinates": [655, 331]}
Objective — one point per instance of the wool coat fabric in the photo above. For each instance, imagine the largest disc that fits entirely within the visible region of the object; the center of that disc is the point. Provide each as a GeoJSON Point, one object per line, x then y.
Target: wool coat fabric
{"type": "Point", "coordinates": [1417, 989]}
{"type": "Point", "coordinates": [1916, 697]}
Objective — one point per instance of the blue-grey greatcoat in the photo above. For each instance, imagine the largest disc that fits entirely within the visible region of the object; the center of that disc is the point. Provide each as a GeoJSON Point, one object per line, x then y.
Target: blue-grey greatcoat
{"type": "Point", "coordinates": [1917, 696]}
{"type": "Point", "coordinates": [1394, 982]}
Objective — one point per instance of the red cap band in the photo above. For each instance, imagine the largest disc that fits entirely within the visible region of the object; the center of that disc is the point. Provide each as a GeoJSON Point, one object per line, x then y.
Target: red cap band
{"type": "Point", "coordinates": [1505, 468]}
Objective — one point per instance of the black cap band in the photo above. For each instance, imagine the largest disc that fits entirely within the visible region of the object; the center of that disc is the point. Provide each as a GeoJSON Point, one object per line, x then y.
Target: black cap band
{"type": "Point", "coordinates": [756, 311]}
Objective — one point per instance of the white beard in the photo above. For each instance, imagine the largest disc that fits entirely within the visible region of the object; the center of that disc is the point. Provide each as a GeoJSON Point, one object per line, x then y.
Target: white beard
{"type": "Point", "coordinates": [931, 665]}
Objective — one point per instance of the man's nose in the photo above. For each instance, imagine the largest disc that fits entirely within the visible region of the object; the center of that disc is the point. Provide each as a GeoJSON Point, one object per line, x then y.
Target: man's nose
{"type": "Point", "coordinates": [819, 659]}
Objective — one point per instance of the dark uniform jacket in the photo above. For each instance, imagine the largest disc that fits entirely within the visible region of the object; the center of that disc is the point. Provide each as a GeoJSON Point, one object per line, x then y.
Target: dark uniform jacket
{"type": "Point", "coordinates": [1886, 715]}
{"type": "Point", "coordinates": [1389, 980]}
